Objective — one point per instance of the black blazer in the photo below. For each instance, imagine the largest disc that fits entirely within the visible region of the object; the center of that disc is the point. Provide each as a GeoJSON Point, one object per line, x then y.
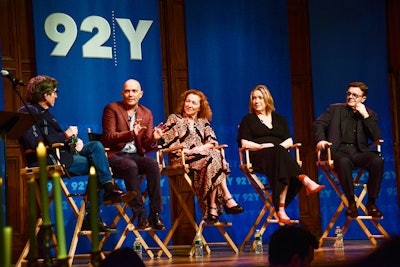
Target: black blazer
{"type": "Point", "coordinates": [331, 124]}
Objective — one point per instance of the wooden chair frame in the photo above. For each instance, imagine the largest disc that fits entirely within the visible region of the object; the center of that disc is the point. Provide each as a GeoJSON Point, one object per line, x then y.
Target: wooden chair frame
{"type": "Point", "coordinates": [130, 227]}
{"type": "Point", "coordinates": [29, 173]}
{"type": "Point", "coordinates": [263, 191]}
{"type": "Point", "coordinates": [183, 170]}
{"type": "Point", "coordinates": [327, 167]}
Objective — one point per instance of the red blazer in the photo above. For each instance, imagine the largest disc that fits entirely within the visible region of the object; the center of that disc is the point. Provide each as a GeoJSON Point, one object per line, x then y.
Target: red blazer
{"type": "Point", "coordinates": [116, 131]}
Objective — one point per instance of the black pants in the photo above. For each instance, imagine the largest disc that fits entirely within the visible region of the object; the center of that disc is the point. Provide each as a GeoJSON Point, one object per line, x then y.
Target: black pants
{"type": "Point", "coordinates": [347, 158]}
{"type": "Point", "coordinates": [129, 166]}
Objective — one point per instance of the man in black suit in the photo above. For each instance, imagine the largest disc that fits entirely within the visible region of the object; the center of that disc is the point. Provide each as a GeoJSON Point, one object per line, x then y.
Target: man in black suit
{"type": "Point", "coordinates": [349, 126]}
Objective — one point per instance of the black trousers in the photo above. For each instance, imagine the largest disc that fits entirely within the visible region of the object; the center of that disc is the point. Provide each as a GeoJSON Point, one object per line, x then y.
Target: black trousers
{"type": "Point", "coordinates": [347, 158]}
{"type": "Point", "coordinates": [129, 166]}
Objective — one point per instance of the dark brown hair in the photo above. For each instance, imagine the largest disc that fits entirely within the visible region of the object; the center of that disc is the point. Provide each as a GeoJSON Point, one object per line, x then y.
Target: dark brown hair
{"type": "Point", "coordinates": [39, 86]}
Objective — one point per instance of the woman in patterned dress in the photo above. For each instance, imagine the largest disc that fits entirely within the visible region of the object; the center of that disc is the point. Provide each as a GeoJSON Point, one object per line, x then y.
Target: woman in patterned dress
{"type": "Point", "coordinates": [190, 126]}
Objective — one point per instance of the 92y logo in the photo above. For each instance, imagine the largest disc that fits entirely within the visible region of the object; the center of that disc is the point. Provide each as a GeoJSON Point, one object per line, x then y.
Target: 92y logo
{"type": "Point", "coordinates": [62, 29]}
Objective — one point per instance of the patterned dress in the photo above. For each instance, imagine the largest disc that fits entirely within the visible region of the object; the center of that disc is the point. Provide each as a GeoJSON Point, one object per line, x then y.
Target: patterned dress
{"type": "Point", "coordinates": [207, 168]}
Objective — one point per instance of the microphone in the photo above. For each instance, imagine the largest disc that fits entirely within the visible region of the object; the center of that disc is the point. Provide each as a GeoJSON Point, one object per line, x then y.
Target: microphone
{"type": "Point", "coordinates": [14, 80]}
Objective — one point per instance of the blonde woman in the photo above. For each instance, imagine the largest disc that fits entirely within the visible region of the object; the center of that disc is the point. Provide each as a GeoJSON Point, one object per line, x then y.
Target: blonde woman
{"type": "Point", "coordinates": [267, 135]}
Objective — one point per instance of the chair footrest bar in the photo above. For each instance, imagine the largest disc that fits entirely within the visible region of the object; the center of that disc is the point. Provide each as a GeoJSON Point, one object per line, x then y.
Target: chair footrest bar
{"type": "Point", "coordinates": [218, 224]}
{"type": "Point", "coordinates": [216, 244]}
{"type": "Point", "coordinates": [330, 238]}
{"type": "Point", "coordinates": [276, 221]}
{"type": "Point", "coordinates": [378, 236]}
{"type": "Point", "coordinates": [366, 217]}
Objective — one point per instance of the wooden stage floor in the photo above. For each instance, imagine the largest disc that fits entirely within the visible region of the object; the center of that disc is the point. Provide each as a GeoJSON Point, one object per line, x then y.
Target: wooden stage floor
{"type": "Point", "coordinates": [324, 256]}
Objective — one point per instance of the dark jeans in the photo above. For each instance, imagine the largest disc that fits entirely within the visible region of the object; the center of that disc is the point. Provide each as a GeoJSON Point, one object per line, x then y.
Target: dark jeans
{"type": "Point", "coordinates": [92, 154]}
{"type": "Point", "coordinates": [129, 166]}
{"type": "Point", "coordinates": [347, 158]}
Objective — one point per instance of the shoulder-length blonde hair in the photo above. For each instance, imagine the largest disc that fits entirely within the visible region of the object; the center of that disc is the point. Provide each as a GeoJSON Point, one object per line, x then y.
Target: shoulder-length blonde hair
{"type": "Point", "coordinates": [269, 101]}
{"type": "Point", "coordinates": [205, 110]}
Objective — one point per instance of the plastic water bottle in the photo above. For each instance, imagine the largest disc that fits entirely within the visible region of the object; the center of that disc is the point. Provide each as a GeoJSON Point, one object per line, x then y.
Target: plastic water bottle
{"type": "Point", "coordinates": [137, 246]}
{"type": "Point", "coordinates": [258, 245]}
{"type": "Point", "coordinates": [198, 246]}
{"type": "Point", "coordinates": [339, 238]}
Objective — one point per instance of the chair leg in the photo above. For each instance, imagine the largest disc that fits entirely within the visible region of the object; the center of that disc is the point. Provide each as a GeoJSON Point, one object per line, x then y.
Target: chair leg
{"type": "Point", "coordinates": [331, 176]}
{"type": "Point", "coordinates": [131, 228]}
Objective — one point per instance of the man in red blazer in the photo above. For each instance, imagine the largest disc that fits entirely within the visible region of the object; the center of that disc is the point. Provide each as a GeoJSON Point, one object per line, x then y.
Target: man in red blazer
{"type": "Point", "coordinates": [128, 132]}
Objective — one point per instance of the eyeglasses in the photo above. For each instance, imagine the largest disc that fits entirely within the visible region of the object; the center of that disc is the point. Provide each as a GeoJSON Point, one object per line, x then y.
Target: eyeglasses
{"type": "Point", "coordinates": [353, 95]}
{"type": "Point", "coordinates": [55, 92]}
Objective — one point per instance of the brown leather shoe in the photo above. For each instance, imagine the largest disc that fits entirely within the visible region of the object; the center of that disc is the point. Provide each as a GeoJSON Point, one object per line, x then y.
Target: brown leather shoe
{"type": "Point", "coordinates": [373, 211]}
{"type": "Point", "coordinates": [156, 222]}
{"type": "Point", "coordinates": [352, 211]}
{"type": "Point", "coordinates": [142, 223]}
{"type": "Point", "coordinates": [116, 196]}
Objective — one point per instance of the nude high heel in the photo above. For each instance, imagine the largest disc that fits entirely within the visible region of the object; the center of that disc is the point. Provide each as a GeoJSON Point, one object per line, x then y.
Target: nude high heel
{"type": "Point", "coordinates": [281, 220]}
{"type": "Point", "coordinates": [309, 191]}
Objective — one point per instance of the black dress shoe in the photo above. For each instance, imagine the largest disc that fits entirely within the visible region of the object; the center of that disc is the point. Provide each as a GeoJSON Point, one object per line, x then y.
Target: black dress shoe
{"type": "Point", "coordinates": [117, 196]}
{"type": "Point", "coordinates": [103, 227]}
{"type": "Point", "coordinates": [352, 211]}
{"type": "Point", "coordinates": [232, 210]}
{"type": "Point", "coordinates": [373, 210]}
{"type": "Point", "coordinates": [142, 222]}
{"type": "Point", "coordinates": [212, 218]}
{"type": "Point", "coordinates": [156, 222]}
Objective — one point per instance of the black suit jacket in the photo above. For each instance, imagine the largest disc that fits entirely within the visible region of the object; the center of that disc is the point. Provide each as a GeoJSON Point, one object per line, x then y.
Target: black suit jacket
{"type": "Point", "coordinates": [331, 124]}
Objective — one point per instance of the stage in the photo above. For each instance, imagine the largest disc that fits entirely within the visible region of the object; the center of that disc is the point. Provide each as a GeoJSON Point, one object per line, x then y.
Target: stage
{"type": "Point", "coordinates": [324, 256]}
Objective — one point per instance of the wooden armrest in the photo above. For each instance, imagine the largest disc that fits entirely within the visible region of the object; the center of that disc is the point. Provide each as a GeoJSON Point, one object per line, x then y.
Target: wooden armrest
{"type": "Point", "coordinates": [328, 152]}
{"type": "Point", "coordinates": [377, 143]}
{"type": "Point", "coordinates": [295, 146]}
{"type": "Point", "coordinates": [170, 149]}
{"type": "Point", "coordinates": [162, 151]}
{"type": "Point", "coordinates": [55, 145]}
{"type": "Point", "coordinates": [221, 146]}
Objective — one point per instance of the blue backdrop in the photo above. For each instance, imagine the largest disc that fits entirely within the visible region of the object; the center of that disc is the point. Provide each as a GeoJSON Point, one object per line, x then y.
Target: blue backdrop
{"type": "Point", "coordinates": [232, 46]}
{"type": "Point", "coordinates": [236, 45]}
{"type": "Point", "coordinates": [92, 48]}
{"type": "Point", "coordinates": [357, 52]}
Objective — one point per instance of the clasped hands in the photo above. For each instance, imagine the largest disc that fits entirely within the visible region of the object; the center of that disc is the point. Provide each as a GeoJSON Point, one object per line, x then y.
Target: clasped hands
{"type": "Point", "coordinates": [72, 132]}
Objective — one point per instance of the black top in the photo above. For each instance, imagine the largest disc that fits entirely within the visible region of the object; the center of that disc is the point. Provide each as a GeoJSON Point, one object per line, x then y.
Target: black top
{"type": "Point", "coordinates": [252, 129]}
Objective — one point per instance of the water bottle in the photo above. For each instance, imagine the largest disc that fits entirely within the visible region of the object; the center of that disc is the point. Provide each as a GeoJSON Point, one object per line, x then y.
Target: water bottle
{"type": "Point", "coordinates": [258, 245]}
{"type": "Point", "coordinates": [198, 246]}
{"type": "Point", "coordinates": [339, 238]}
{"type": "Point", "coordinates": [137, 246]}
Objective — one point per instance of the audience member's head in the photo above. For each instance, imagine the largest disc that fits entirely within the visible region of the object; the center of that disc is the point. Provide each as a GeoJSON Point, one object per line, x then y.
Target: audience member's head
{"type": "Point", "coordinates": [123, 257]}
{"type": "Point", "coordinates": [386, 254]}
{"type": "Point", "coordinates": [292, 246]}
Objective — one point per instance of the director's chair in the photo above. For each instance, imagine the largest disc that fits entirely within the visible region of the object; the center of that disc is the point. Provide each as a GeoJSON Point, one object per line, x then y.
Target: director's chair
{"type": "Point", "coordinates": [175, 172]}
{"type": "Point", "coordinates": [29, 173]}
{"type": "Point", "coordinates": [263, 191]}
{"type": "Point", "coordinates": [327, 167]}
{"type": "Point", "coordinates": [130, 227]}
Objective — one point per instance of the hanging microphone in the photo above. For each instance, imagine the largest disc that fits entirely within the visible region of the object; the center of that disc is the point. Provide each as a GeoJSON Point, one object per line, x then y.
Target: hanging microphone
{"type": "Point", "coordinates": [14, 80]}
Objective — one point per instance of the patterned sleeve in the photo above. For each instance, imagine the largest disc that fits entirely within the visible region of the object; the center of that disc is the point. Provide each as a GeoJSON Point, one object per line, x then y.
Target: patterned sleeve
{"type": "Point", "coordinates": [171, 136]}
{"type": "Point", "coordinates": [209, 134]}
